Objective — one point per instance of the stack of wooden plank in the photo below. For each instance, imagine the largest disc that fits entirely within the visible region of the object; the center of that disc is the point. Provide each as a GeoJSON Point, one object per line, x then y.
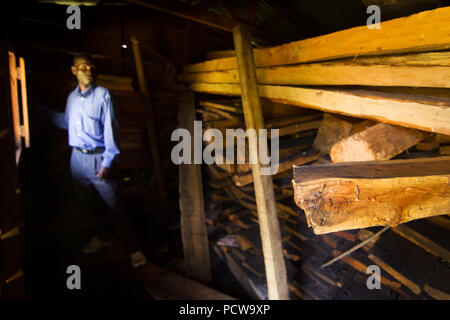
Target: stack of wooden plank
{"type": "Point", "coordinates": [384, 91]}
{"type": "Point", "coordinates": [231, 216]}
{"type": "Point", "coordinates": [401, 70]}
{"type": "Point", "coordinates": [297, 128]}
{"type": "Point", "coordinates": [379, 174]}
{"type": "Point", "coordinates": [378, 157]}
{"type": "Point", "coordinates": [235, 237]}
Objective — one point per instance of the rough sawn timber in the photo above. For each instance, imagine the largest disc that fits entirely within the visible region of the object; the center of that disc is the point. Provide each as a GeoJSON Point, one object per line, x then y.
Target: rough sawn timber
{"type": "Point", "coordinates": [418, 112]}
{"type": "Point", "coordinates": [424, 31]}
{"type": "Point", "coordinates": [354, 195]}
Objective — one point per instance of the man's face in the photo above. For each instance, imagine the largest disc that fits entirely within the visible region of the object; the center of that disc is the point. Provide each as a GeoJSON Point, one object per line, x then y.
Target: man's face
{"type": "Point", "coordinates": [84, 70]}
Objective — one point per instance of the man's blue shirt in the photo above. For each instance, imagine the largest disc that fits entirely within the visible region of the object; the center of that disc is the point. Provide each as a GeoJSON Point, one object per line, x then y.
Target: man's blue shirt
{"type": "Point", "coordinates": [91, 122]}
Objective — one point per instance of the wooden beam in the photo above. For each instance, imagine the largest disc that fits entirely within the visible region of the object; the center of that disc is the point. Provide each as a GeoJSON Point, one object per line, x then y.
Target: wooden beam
{"type": "Point", "coordinates": [414, 287]}
{"type": "Point", "coordinates": [422, 241]}
{"type": "Point", "coordinates": [238, 273]}
{"type": "Point", "coordinates": [334, 128]}
{"type": "Point", "coordinates": [442, 138]}
{"type": "Point", "coordinates": [409, 59]}
{"type": "Point", "coordinates": [298, 127]}
{"type": "Point", "coordinates": [284, 165]}
{"type": "Point", "coordinates": [424, 31]}
{"type": "Point", "coordinates": [335, 74]}
{"type": "Point", "coordinates": [436, 59]}
{"type": "Point", "coordinates": [151, 129]}
{"type": "Point", "coordinates": [13, 76]}
{"type": "Point", "coordinates": [265, 198]}
{"type": "Point", "coordinates": [444, 150]}
{"type": "Point", "coordinates": [429, 144]}
{"type": "Point", "coordinates": [173, 286]}
{"type": "Point", "coordinates": [352, 195]}
{"type": "Point", "coordinates": [193, 228]}
{"type": "Point", "coordinates": [360, 267]}
{"type": "Point", "coordinates": [436, 294]}
{"type": "Point", "coordinates": [25, 128]}
{"type": "Point", "coordinates": [418, 112]}
{"type": "Point", "coordinates": [218, 54]}
{"type": "Point", "coordinates": [441, 221]}
{"type": "Point", "coordinates": [379, 142]}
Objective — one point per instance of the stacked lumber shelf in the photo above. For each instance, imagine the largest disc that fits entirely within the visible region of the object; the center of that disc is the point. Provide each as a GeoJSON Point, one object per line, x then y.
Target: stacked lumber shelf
{"type": "Point", "coordinates": [378, 174]}
{"type": "Point", "coordinates": [406, 53]}
{"type": "Point", "coordinates": [383, 92]}
{"type": "Point", "coordinates": [375, 154]}
{"type": "Point", "coordinates": [232, 220]}
{"type": "Point", "coordinates": [233, 229]}
{"type": "Point", "coordinates": [297, 129]}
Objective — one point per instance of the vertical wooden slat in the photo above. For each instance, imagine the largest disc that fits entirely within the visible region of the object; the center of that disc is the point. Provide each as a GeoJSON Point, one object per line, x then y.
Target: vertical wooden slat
{"type": "Point", "coordinates": [193, 228]}
{"type": "Point", "coordinates": [11, 245]}
{"type": "Point", "coordinates": [263, 184]}
{"type": "Point", "coordinates": [151, 129]}
{"type": "Point", "coordinates": [15, 103]}
{"type": "Point", "coordinates": [23, 86]}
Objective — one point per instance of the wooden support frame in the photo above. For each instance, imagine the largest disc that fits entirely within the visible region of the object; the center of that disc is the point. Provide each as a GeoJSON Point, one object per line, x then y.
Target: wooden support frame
{"type": "Point", "coordinates": [193, 227]}
{"type": "Point", "coordinates": [264, 193]}
{"type": "Point", "coordinates": [20, 122]}
{"type": "Point", "coordinates": [151, 129]}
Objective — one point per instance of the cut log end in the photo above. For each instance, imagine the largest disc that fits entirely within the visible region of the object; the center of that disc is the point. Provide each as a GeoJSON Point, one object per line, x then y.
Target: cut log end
{"type": "Point", "coordinates": [361, 196]}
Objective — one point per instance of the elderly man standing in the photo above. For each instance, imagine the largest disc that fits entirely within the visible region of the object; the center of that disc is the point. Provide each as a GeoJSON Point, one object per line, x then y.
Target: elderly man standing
{"type": "Point", "coordinates": [93, 132]}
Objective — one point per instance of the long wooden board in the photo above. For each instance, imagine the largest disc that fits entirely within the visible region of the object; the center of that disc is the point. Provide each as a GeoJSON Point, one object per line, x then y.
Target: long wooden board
{"type": "Point", "coordinates": [173, 286]}
{"type": "Point", "coordinates": [405, 59]}
{"type": "Point", "coordinates": [418, 112]}
{"type": "Point", "coordinates": [335, 74]}
{"type": "Point", "coordinates": [265, 198]}
{"type": "Point", "coordinates": [424, 31]}
{"type": "Point", "coordinates": [310, 155]}
{"type": "Point", "coordinates": [192, 211]}
{"type": "Point", "coordinates": [354, 195]}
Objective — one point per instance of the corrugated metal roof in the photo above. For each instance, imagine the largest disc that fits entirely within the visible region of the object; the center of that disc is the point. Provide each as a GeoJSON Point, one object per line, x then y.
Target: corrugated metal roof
{"type": "Point", "coordinates": [264, 11]}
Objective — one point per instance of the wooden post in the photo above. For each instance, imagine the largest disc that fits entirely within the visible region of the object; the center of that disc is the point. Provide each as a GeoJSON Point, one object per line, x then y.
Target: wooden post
{"type": "Point", "coordinates": [152, 136]}
{"type": "Point", "coordinates": [23, 87]}
{"type": "Point", "coordinates": [15, 104]}
{"type": "Point", "coordinates": [263, 184]}
{"type": "Point", "coordinates": [193, 228]}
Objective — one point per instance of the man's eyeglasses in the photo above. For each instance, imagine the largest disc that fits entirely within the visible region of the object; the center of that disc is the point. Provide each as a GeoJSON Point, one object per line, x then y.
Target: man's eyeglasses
{"type": "Point", "coordinates": [85, 68]}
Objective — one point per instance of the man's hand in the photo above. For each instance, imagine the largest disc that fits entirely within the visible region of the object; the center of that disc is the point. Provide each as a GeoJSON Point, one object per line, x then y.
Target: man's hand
{"type": "Point", "coordinates": [103, 172]}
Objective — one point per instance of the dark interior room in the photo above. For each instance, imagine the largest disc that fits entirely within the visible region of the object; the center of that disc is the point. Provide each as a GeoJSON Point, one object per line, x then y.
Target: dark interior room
{"type": "Point", "coordinates": [225, 150]}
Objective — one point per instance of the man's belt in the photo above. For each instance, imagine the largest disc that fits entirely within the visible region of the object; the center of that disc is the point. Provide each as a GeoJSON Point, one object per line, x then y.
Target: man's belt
{"type": "Point", "coordinates": [90, 151]}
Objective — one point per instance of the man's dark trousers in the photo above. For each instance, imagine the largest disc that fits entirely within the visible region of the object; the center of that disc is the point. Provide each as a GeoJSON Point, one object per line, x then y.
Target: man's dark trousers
{"type": "Point", "coordinates": [84, 168]}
